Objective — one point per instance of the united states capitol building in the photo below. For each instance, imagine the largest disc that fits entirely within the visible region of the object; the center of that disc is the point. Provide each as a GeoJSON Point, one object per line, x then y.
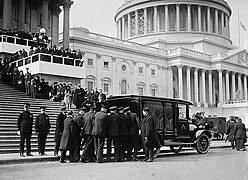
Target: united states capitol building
{"type": "Point", "coordinates": [169, 48]}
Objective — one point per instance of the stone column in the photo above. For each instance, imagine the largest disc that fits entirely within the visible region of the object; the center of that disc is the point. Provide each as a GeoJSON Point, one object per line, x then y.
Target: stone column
{"type": "Point", "coordinates": [114, 77]}
{"type": "Point", "coordinates": [245, 87]}
{"type": "Point", "coordinates": [233, 86]}
{"type": "Point", "coordinates": [166, 17]}
{"type": "Point", "coordinates": [170, 82]}
{"type": "Point", "coordinates": [145, 20]}
{"type": "Point", "coordinates": [188, 84]}
{"type": "Point", "coordinates": [199, 18]}
{"type": "Point", "coordinates": [180, 81]}
{"type": "Point", "coordinates": [66, 24]}
{"type": "Point", "coordinates": [7, 6]}
{"type": "Point", "coordinates": [227, 86]}
{"type": "Point", "coordinates": [189, 17]}
{"type": "Point", "coordinates": [178, 17]}
{"type": "Point", "coordinates": [119, 27]}
{"type": "Point", "coordinates": [155, 19]}
{"type": "Point", "coordinates": [220, 88]}
{"type": "Point", "coordinates": [44, 14]}
{"type": "Point", "coordinates": [55, 25]}
{"type": "Point", "coordinates": [210, 87]}
{"type": "Point", "coordinates": [239, 84]}
{"type": "Point", "coordinates": [196, 85]}
{"type": "Point", "coordinates": [136, 23]}
{"type": "Point", "coordinates": [208, 19]}
{"type": "Point", "coordinates": [128, 25]}
{"type": "Point", "coordinates": [222, 23]}
{"type": "Point", "coordinates": [123, 27]}
{"type": "Point", "coordinates": [21, 15]}
{"type": "Point", "coordinates": [204, 87]}
{"type": "Point", "coordinates": [216, 22]}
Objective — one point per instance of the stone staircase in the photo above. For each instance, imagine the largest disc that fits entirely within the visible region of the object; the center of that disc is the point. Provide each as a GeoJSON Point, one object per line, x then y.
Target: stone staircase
{"type": "Point", "coordinates": [11, 104]}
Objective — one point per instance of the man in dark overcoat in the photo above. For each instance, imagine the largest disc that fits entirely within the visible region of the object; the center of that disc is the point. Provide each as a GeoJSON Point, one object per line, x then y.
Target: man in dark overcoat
{"type": "Point", "coordinates": [42, 126]}
{"type": "Point", "coordinates": [230, 131]}
{"type": "Point", "coordinates": [78, 96]}
{"type": "Point", "coordinates": [59, 130]}
{"type": "Point", "coordinates": [149, 135]}
{"type": "Point", "coordinates": [67, 140]}
{"type": "Point", "coordinates": [79, 122]}
{"type": "Point", "coordinates": [123, 125]}
{"type": "Point", "coordinates": [240, 135]}
{"type": "Point", "coordinates": [133, 133]}
{"type": "Point", "coordinates": [88, 152]}
{"type": "Point", "coordinates": [24, 129]}
{"type": "Point", "coordinates": [113, 134]}
{"type": "Point", "coordinates": [99, 132]}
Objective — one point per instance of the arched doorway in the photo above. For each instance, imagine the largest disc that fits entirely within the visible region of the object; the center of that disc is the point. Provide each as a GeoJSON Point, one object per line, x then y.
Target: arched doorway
{"type": "Point", "coordinates": [123, 86]}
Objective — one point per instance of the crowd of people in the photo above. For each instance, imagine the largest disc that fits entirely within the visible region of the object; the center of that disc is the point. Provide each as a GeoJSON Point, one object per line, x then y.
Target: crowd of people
{"type": "Point", "coordinates": [84, 135]}
{"type": "Point", "coordinates": [236, 133]}
{"type": "Point", "coordinates": [15, 33]}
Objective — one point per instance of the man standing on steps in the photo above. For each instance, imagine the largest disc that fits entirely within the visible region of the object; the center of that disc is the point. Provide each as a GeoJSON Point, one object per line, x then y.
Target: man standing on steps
{"type": "Point", "coordinates": [24, 126]}
{"type": "Point", "coordinates": [59, 130]}
{"type": "Point", "coordinates": [27, 81]}
{"type": "Point", "coordinates": [42, 126]}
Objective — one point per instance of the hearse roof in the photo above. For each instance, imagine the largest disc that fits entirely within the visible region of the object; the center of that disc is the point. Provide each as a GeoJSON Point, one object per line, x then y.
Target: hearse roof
{"type": "Point", "coordinates": [131, 96]}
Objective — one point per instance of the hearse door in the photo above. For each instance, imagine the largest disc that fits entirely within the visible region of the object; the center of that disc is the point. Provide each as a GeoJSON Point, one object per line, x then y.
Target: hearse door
{"type": "Point", "coordinates": [169, 120]}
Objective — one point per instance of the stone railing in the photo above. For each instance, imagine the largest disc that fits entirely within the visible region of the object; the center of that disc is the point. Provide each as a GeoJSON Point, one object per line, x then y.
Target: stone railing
{"type": "Point", "coordinates": [16, 40]}
{"type": "Point", "coordinates": [49, 58]}
{"type": "Point", "coordinates": [235, 102]}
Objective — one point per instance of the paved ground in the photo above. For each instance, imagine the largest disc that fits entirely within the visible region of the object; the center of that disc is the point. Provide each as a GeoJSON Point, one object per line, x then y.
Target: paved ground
{"type": "Point", "coordinates": [15, 158]}
{"type": "Point", "coordinates": [217, 164]}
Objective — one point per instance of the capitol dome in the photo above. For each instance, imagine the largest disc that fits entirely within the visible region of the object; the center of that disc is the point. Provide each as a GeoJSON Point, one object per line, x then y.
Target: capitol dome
{"type": "Point", "coordinates": [144, 21]}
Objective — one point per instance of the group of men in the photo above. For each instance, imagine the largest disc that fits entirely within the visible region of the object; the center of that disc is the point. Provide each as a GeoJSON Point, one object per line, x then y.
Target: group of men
{"type": "Point", "coordinates": [118, 126]}
{"type": "Point", "coordinates": [236, 133]}
{"type": "Point", "coordinates": [24, 129]}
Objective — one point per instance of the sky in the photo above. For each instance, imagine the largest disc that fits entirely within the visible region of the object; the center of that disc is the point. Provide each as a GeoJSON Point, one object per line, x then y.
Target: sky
{"type": "Point", "coordinates": [98, 17]}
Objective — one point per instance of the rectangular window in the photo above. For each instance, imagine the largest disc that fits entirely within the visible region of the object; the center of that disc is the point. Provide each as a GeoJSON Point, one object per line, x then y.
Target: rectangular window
{"type": "Point", "coordinates": [90, 85]}
{"type": "Point", "coordinates": [172, 17]}
{"type": "Point", "coordinates": [90, 62]}
{"type": "Point", "coordinates": [140, 70]}
{"type": "Point", "coordinates": [106, 88]}
{"type": "Point", "coordinates": [153, 72]}
{"type": "Point", "coordinates": [40, 19]}
{"type": "Point", "coordinates": [153, 92]}
{"type": "Point", "coordinates": [106, 64]}
{"type": "Point", "coordinates": [141, 91]}
{"type": "Point", "coordinates": [1, 9]}
{"type": "Point", "coordinates": [168, 108]}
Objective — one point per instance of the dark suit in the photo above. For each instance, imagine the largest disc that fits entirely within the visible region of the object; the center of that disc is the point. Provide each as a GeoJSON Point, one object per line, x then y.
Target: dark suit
{"type": "Point", "coordinates": [240, 135]}
{"type": "Point", "coordinates": [230, 133]}
{"type": "Point", "coordinates": [99, 133]}
{"type": "Point", "coordinates": [148, 135]}
{"type": "Point", "coordinates": [67, 140]}
{"type": "Point", "coordinates": [133, 138]}
{"type": "Point", "coordinates": [113, 134]}
{"type": "Point", "coordinates": [42, 126]}
{"type": "Point", "coordinates": [58, 131]}
{"type": "Point", "coordinates": [24, 125]}
{"type": "Point", "coordinates": [88, 151]}
{"type": "Point", "coordinates": [79, 120]}
{"type": "Point", "coordinates": [124, 122]}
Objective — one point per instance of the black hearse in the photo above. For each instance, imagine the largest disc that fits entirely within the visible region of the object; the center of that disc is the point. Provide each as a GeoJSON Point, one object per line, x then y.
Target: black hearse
{"type": "Point", "coordinates": [173, 122]}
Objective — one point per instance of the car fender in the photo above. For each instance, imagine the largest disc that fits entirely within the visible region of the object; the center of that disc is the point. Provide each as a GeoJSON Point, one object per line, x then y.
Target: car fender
{"type": "Point", "coordinates": [200, 132]}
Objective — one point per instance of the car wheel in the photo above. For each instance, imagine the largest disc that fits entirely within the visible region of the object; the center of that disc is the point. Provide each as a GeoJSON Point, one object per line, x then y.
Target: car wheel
{"type": "Point", "coordinates": [176, 149]}
{"type": "Point", "coordinates": [203, 144]}
{"type": "Point", "coordinates": [219, 136]}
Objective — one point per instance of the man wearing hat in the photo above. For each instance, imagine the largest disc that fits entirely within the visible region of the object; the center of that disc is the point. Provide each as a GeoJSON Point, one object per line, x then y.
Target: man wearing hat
{"type": "Point", "coordinates": [27, 78]}
{"type": "Point", "coordinates": [124, 122]}
{"type": "Point", "coordinates": [99, 132]}
{"type": "Point", "coordinates": [59, 129]}
{"type": "Point", "coordinates": [230, 131]}
{"type": "Point", "coordinates": [24, 126]}
{"type": "Point", "coordinates": [133, 133]}
{"type": "Point", "coordinates": [148, 135]}
{"type": "Point", "coordinates": [79, 123]}
{"type": "Point", "coordinates": [113, 133]}
{"type": "Point", "coordinates": [42, 126]}
{"type": "Point", "coordinates": [88, 152]}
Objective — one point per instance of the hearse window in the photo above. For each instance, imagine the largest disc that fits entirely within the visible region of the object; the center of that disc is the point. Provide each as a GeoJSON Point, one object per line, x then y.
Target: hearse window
{"type": "Point", "coordinates": [168, 116]}
{"type": "Point", "coordinates": [182, 111]}
{"type": "Point", "coordinates": [156, 109]}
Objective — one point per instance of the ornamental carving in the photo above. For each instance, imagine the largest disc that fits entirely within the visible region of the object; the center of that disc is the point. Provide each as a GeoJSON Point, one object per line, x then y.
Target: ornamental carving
{"type": "Point", "coordinates": [243, 59]}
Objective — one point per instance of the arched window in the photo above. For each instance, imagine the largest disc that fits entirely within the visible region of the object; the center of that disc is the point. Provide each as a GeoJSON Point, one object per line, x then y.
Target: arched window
{"type": "Point", "coordinates": [123, 86]}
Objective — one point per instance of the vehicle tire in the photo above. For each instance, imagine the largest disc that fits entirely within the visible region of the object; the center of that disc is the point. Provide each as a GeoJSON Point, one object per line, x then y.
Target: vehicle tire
{"type": "Point", "coordinates": [203, 144]}
{"type": "Point", "coordinates": [176, 149]}
{"type": "Point", "coordinates": [219, 136]}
